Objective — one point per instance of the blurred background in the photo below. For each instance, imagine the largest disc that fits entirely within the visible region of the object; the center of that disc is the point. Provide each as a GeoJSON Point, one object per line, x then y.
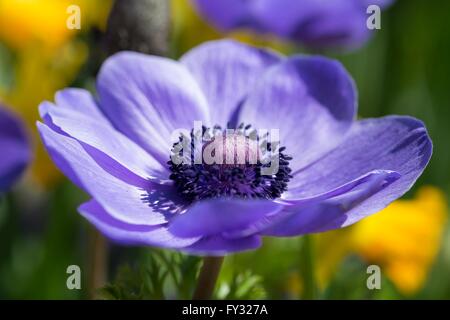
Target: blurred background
{"type": "Point", "coordinates": [403, 69]}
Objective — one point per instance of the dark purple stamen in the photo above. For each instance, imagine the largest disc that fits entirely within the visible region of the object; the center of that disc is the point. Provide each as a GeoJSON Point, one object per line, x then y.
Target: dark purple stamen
{"type": "Point", "coordinates": [243, 180]}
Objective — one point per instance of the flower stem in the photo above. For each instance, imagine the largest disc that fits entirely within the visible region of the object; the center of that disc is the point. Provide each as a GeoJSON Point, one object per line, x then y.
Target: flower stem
{"type": "Point", "coordinates": [208, 277]}
{"type": "Point", "coordinates": [307, 268]}
{"type": "Point", "coordinates": [98, 256]}
{"type": "Point", "coordinates": [139, 25]}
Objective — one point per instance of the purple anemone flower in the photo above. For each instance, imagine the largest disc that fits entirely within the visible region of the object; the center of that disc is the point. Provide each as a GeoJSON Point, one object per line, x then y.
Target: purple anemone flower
{"type": "Point", "coordinates": [314, 23]}
{"type": "Point", "coordinates": [333, 170]}
{"type": "Point", "coordinates": [14, 147]}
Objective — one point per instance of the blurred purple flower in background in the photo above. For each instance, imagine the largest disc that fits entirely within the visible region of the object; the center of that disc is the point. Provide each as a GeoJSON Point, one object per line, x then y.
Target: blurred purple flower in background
{"type": "Point", "coordinates": [14, 147]}
{"type": "Point", "coordinates": [314, 23]}
{"type": "Point", "coordinates": [333, 171]}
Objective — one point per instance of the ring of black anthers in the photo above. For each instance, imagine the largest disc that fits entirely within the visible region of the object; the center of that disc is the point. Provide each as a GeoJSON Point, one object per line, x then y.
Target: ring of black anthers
{"type": "Point", "coordinates": [251, 179]}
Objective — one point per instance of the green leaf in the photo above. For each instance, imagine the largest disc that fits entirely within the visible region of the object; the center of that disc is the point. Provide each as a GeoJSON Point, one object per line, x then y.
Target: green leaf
{"type": "Point", "coordinates": [242, 286]}
{"type": "Point", "coordinates": [161, 275]}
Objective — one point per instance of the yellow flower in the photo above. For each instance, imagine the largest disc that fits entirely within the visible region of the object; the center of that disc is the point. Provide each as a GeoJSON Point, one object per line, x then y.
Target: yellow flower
{"type": "Point", "coordinates": [23, 22]}
{"type": "Point", "coordinates": [47, 57]}
{"type": "Point", "coordinates": [403, 239]}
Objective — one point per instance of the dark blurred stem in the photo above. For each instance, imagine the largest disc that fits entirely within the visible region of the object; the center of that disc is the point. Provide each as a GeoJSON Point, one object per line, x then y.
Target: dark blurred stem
{"type": "Point", "coordinates": [98, 256]}
{"type": "Point", "coordinates": [307, 268]}
{"type": "Point", "coordinates": [139, 25]}
{"type": "Point", "coordinates": [208, 277]}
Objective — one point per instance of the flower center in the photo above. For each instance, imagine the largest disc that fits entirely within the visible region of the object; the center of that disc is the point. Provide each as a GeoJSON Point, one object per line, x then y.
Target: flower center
{"type": "Point", "coordinates": [216, 162]}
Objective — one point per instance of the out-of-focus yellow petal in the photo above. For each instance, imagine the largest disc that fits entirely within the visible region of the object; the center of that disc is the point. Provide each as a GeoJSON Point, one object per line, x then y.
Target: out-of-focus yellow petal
{"type": "Point", "coordinates": [26, 21]}
{"type": "Point", "coordinates": [23, 22]}
{"type": "Point", "coordinates": [403, 239]}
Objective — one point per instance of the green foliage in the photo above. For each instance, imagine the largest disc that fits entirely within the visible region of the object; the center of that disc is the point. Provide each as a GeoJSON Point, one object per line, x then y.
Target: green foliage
{"type": "Point", "coordinates": [350, 281]}
{"type": "Point", "coordinates": [131, 284]}
{"type": "Point", "coordinates": [3, 209]}
{"type": "Point", "coordinates": [161, 275]}
{"type": "Point", "coordinates": [38, 239]}
{"type": "Point", "coordinates": [6, 68]}
{"type": "Point", "coordinates": [172, 275]}
{"type": "Point", "coordinates": [245, 286]}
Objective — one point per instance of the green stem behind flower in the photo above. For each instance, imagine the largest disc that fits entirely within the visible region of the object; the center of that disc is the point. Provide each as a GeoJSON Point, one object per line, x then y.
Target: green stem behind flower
{"type": "Point", "coordinates": [208, 277]}
{"type": "Point", "coordinates": [98, 258]}
{"type": "Point", "coordinates": [307, 268]}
